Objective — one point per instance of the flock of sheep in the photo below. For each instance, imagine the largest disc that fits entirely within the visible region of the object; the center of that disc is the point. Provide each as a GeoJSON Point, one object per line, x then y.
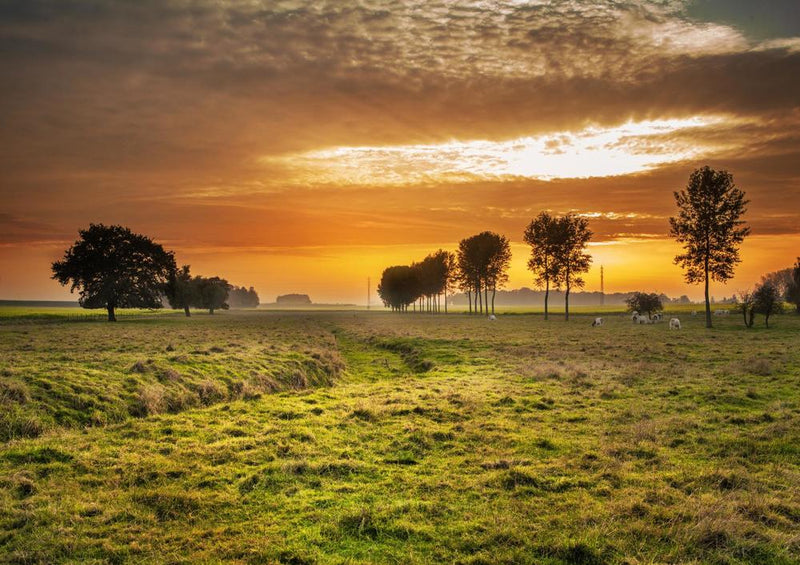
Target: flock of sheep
{"type": "Point", "coordinates": [636, 318]}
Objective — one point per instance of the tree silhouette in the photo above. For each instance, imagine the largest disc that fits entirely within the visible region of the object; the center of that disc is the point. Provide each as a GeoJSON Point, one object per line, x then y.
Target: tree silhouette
{"type": "Point", "coordinates": [399, 287]}
{"type": "Point", "coordinates": [212, 293]}
{"type": "Point", "coordinates": [767, 301]}
{"type": "Point", "coordinates": [483, 260]}
{"type": "Point", "coordinates": [644, 302]}
{"type": "Point", "coordinates": [181, 291]}
{"type": "Point", "coordinates": [499, 259]}
{"type": "Point", "coordinates": [708, 225]}
{"type": "Point", "coordinates": [793, 288]}
{"type": "Point", "coordinates": [571, 237]}
{"type": "Point", "coordinates": [541, 235]}
{"type": "Point", "coordinates": [241, 297]}
{"type": "Point", "coordinates": [112, 267]}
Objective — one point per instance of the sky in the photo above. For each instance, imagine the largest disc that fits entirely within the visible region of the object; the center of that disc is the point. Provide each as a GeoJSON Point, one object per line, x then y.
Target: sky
{"type": "Point", "coordinates": [303, 146]}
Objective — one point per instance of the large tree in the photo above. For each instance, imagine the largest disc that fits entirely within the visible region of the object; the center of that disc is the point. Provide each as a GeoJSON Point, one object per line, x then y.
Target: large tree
{"type": "Point", "coordinates": [572, 237]}
{"type": "Point", "coordinates": [112, 267]}
{"type": "Point", "coordinates": [483, 261]}
{"type": "Point", "coordinates": [710, 228]}
{"type": "Point", "coordinates": [541, 236]}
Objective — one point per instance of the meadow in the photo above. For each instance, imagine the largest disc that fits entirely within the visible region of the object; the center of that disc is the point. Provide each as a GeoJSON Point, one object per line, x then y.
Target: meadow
{"type": "Point", "coordinates": [369, 437]}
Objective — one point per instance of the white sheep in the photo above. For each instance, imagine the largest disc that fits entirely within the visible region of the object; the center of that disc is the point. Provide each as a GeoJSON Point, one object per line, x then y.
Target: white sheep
{"type": "Point", "coordinates": [634, 316]}
{"type": "Point", "coordinates": [722, 312]}
{"type": "Point", "coordinates": [642, 319]}
{"type": "Point", "coordinates": [657, 317]}
{"type": "Point", "coordinates": [674, 324]}
{"type": "Point", "coordinates": [597, 322]}
{"type": "Point", "coordinates": [492, 317]}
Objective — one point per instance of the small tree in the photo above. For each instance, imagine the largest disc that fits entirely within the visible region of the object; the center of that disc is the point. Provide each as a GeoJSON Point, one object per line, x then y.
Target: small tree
{"type": "Point", "coordinates": [541, 235]}
{"type": "Point", "coordinates": [644, 302]}
{"type": "Point", "coordinates": [112, 267]}
{"type": "Point", "coordinates": [767, 301]}
{"type": "Point", "coordinates": [710, 228]}
{"type": "Point", "coordinates": [181, 291]}
{"type": "Point", "coordinates": [212, 293]}
{"type": "Point", "coordinates": [573, 234]}
{"type": "Point", "coordinates": [793, 288]}
{"type": "Point", "coordinates": [745, 301]}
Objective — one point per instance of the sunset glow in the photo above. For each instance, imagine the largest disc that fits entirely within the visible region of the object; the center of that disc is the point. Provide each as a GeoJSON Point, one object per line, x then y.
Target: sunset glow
{"type": "Point", "coordinates": [591, 152]}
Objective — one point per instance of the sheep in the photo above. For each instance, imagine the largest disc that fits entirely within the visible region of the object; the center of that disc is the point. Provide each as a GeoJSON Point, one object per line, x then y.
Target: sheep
{"type": "Point", "coordinates": [492, 317]}
{"type": "Point", "coordinates": [634, 316]}
{"type": "Point", "coordinates": [657, 317]}
{"type": "Point", "coordinates": [674, 324]}
{"type": "Point", "coordinates": [597, 322]}
{"type": "Point", "coordinates": [641, 320]}
{"type": "Point", "coordinates": [722, 312]}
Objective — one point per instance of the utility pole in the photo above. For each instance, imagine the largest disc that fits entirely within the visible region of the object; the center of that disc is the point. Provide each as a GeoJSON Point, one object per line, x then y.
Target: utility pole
{"type": "Point", "coordinates": [368, 291]}
{"type": "Point", "coordinates": [602, 288]}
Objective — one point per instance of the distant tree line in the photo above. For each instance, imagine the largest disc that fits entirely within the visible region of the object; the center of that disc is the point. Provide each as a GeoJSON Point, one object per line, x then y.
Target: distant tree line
{"type": "Point", "coordinates": [111, 267]}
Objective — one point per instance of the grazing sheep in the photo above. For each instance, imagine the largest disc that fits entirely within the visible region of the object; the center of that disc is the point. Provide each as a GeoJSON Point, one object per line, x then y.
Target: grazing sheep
{"type": "Point", "coordinates": [634, 316]}
{"type": "Point", "coordinates": [657, 317]}
{"type": "Point", "coordinates": [722, 312]}
{"type": "Point", "coordinates": [492, 317]}
{"type": "Point", "coordinates": [643, 320]}
{"type": "Point", "coordinates": [597, 322]}
{"type": "Point", "coordinates": [674, 324]}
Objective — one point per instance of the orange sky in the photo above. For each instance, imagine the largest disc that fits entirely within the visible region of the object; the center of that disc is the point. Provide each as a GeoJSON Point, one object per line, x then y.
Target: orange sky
{"type": "Point", "coordinates": [301, 146]}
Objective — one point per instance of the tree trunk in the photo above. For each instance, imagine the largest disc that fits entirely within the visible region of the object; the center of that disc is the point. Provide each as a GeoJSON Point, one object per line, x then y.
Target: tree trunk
{"type": "Point", "coordinates": [494, 291]}
{"type": "Point", "coordinates": [708, 302]}
{"type": "Point", "coordinates": [211, 311]}
{"type": "Point", "coordinates": [469, 300]}
{"type": "Point", "coordinates": [186, 311]}
{"type": "Point", "coordinates": [112, 317]}
{"type": "Point", "coordinates": [752, 316]}
{"type": "Point", "coordinates": [566, 304]}
{"type": "Point", "coordinates": [445, 301]}
{"type": "Point", "coordinates": [546, 296]}
{"type": "Point", "coordinates": [486, 296]}
{"type": "Point", "coordinates": [766, 319]}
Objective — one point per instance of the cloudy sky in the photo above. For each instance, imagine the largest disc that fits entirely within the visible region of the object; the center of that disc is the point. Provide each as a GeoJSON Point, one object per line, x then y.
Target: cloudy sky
{"type": "Point", "coordinates": [305, 145]}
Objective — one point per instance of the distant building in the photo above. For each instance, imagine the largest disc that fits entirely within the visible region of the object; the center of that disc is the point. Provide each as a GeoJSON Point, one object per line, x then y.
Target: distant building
{"type": "Point", "coordinates": [293, 299]}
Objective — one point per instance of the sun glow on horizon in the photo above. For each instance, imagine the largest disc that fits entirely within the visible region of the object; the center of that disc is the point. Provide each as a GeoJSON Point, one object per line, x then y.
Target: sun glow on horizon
{"type": "Point", "coordinates": [591, 152]}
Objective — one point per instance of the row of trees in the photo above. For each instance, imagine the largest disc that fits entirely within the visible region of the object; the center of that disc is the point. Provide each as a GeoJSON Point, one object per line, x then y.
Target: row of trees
{"type": "Point", "coordinates": [422, 284]}
{"type": "Point", "coordinates": [480, 267]}
{"type": "Point", "coordinates": [111, 267]}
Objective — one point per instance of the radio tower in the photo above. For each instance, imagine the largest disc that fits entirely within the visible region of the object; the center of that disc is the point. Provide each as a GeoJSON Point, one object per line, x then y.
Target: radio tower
{"type": "Point", "coordinates": [602, 288]}
{"type": "Point", "coordinates": [368, 290]}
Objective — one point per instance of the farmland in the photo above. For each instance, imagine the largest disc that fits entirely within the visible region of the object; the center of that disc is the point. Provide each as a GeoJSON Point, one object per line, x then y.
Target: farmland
{"type": "Point", "coordinates": [369, 437]}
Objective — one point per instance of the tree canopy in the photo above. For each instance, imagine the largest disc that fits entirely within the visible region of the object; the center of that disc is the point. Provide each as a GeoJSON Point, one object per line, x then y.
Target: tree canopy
{"type": "Point", "coordinates": [541, 235]}
{"type": "Point", "coordinates": [111, 267]}
{"type": "Point", "coordinates": [710, 228]}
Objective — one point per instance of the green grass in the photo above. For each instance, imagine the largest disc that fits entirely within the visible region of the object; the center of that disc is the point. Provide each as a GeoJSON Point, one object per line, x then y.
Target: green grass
{"type": "Point", "coordinates": [402, 439]}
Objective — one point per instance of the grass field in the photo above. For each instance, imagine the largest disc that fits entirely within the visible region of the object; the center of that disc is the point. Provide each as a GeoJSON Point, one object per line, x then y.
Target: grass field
{"type": "Point", "coordinates": [368, 437]}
